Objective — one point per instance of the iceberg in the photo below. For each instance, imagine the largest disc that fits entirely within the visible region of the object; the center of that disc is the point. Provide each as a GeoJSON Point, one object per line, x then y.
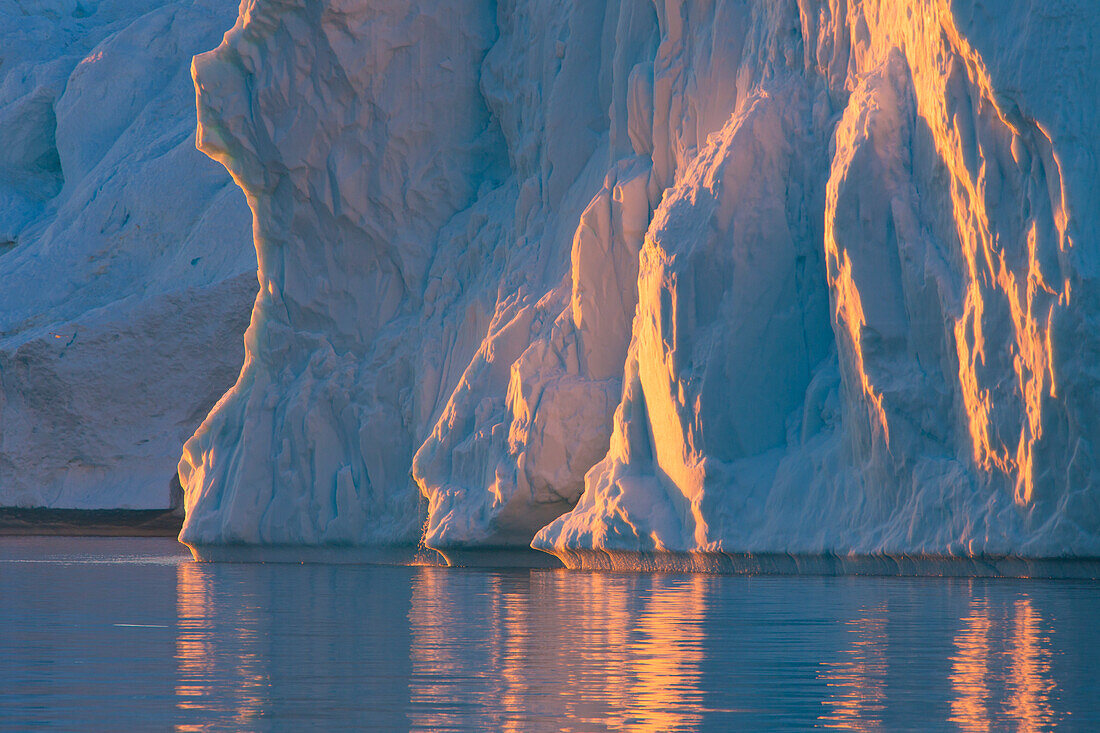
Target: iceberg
{"type": "Point", "coordinates": [124, 252]}
{"type": "Point", "coordinates": [641, 278]}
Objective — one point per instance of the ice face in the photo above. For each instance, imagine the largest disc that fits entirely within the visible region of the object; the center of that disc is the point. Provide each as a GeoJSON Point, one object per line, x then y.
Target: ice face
{"type": "Point", "coordinates": [358, 134]}
{"type": "Point", "coordinates": [644, 277]}
{"type": "Point", "coordinates": [125, 253]}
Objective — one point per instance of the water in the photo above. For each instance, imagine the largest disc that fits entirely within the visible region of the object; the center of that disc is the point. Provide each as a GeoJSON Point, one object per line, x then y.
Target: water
{"type": "Point", "coordinates": [127, 634]}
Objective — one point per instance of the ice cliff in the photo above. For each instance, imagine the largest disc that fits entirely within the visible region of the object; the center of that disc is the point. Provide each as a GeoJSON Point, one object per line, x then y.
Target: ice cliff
{"type": "Point", "coordinates": [641, 276]}
{"type": "Point", "coordinates": [125, 253]}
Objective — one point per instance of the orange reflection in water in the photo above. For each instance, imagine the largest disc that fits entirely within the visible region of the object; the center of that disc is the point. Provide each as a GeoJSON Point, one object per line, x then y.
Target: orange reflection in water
{"type": "Point", "coordinates": [194, 650]}
{"type": "Point", "coordinates": [201, 665]}
{"type": "Point", "coordinates": [1011, 650]}
{"type": "Point", "coordinates": [857, 682]}
{"type": "Point", "coordinates": [1029, 671]}
{"type": "Point", "coordinates": [970, 672]}
{"type": "Point", "coordinates": [580, 651]}
{"type": "Point", "coordinates": [600, 638]}
{"type": "Point", "coordinates": [665, 659]}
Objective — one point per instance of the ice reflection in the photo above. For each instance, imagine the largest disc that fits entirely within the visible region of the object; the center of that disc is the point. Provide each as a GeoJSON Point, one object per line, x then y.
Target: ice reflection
{"type": "Point", "coordinates": [215, 676]}
{"type": "Point", "coordinates": [194, 649]}
{"type": "Point", "coordinates": [1029, 674]}
{"type": "Point", "coordinates": [556, 650]}
{"type": "Point", "coordinates": [970, 671]}
{"type": "Point", "coordinates": [667, 658]}
{"type": "Point", "coordinates": [857, 681]}
{"type": "Point", "coordinates": [291, 647]}
{"type": "Point", "coordinates": [136, 646]}
{"type": "Point", "coordinates": [1009, 650]}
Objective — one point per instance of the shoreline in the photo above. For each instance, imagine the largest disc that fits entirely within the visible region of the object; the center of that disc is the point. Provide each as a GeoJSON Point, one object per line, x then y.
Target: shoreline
{"type": "Point", "coordinates": [121, 524]}
{"type": "Point", "coordinates": [24, 522]}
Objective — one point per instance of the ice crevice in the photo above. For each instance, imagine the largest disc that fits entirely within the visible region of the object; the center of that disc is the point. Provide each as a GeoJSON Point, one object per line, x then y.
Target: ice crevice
{"type": "Point", "coordinates": [646, 278]}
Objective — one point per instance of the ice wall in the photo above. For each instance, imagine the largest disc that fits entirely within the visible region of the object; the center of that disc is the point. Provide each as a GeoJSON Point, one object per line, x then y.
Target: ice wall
{"type": "Point", "coordinates": [357, 133]}
{"type": "Point", "coordinates": [643, 277]}
{"type": "Point", "coordinates": [125, 254]}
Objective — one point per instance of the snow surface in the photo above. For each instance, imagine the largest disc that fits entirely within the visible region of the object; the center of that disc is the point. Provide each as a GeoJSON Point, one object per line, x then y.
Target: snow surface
{"type": "Point", "coordinates": [125, 253]}
{"type": "Point", "coordinates": [651, 276]}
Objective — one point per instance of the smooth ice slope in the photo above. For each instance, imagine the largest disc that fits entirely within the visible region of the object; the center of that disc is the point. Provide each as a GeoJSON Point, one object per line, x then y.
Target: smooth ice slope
{"type": "Point", "coordinates": [646, 277]}
{"type": "Point", "coordinates": [124, 252]}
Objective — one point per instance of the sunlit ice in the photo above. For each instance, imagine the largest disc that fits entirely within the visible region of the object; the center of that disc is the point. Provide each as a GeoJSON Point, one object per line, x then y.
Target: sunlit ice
{"type": "Point", "coordinates": [489, 355]}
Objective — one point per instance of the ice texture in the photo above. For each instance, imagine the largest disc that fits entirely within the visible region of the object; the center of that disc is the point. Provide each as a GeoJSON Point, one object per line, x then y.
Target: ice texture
{"type": "Point", "coordinates": [125, 253]}
{"type": "Point", "coordinates": [635, 277]}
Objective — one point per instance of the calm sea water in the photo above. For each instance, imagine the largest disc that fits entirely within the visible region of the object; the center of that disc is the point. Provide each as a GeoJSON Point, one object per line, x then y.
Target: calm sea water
{"type": "Point", "coordinates": [128, 634]}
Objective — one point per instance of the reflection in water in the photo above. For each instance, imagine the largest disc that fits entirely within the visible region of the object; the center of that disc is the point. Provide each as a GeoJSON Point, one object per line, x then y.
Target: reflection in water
{"type": "Point", "coordinates": [970, 670]}
{"type": "Point", "coordinates": [857, 681]}
{"type": "Point", "coordinates": [667, 656]}
{"type": "Point", "coordinates": [194, 649]}
{"type": "Point", "coordinates": [111, 643]}
{"type": "Point", "coordinates": [1029, 674]}
{"type": "Point", "coordinates": [625, 653]}
{"type": "Point", "coordinates": [210, 669]}
{"type": "Point", "coordinates": [313, 646]}
{"type": "Point", "coordinates": [1008, 651]}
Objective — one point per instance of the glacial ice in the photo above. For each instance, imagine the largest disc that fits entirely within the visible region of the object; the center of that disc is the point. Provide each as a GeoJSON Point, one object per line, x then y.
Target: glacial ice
{"type": "Point", "coordinates": [637, 277]}
{"type": "Point", "coordinates": [124, 252]}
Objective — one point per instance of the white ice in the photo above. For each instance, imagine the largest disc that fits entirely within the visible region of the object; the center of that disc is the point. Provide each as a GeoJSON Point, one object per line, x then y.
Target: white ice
{"type": "Point", "coordinates": [635, 276]}
{"type": "Point", "coordinates": [125, 254]}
